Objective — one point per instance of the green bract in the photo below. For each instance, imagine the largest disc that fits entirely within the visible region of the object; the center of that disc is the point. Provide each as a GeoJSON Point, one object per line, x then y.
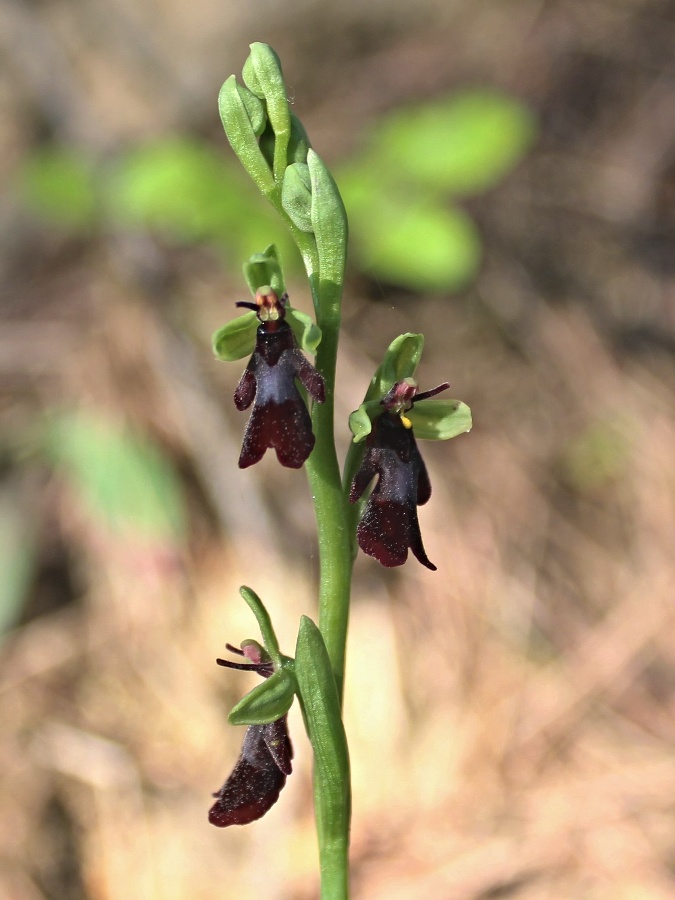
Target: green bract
{"type": "Point", "coordinates": [267, 702]}
{"type": "Point", "coordinates": [299, 143]}
{"type": "Point", "coordinates": [320, 705]}
{"type": "Point", "coordinates": [262, 74]}
{"type": "Point", "coordinates": [296, 196]}
{"type": "Point", "coordinates": [242, 135]}
{"type": "Point", "coordinates": [329, 221]}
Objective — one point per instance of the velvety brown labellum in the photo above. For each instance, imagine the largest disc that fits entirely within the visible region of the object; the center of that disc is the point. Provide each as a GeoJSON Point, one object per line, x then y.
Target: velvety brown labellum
{"type": "Point", "coordinates": [389, 524]}
{"type": "Point", "coordinates": [257, 778]}
{"type": "Point", "coordinates": [279, 418]}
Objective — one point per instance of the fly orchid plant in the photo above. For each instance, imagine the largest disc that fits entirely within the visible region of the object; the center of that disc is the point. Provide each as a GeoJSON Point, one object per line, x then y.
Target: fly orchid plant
{"type": "Point", "coordinates": [372, 503]}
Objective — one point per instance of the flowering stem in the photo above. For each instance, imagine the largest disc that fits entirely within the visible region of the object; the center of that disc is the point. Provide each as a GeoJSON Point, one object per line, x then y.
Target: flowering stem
{"type": "Point", "coordinates": [297, 183]}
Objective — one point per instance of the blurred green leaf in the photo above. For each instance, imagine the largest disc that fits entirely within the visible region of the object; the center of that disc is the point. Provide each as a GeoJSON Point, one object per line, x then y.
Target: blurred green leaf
{"type": "Point", "coordinates": [59, 186]}
{"type": "Point", "coordinates": [398, 192]}
{"type": "Point", "coordinates": [17, 559]}
{"type": "Point", "coordinates": [178, 186]}
{"type": "Point", "coordinates": [598, 455]}
{"type": "Point", "coordinates": [461, 145]}
{"type": "Point", "coordinates": [123, 480]}
{"type": "Point", "coordinates": [183, 189]}
{"type": "Point", "coordinates": [420, 245]}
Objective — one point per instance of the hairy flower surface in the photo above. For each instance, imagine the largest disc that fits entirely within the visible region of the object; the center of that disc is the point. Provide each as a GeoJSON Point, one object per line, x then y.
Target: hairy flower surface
{"type": "Point", "coordinates": [264, 762]}
{"type": "Point", "coordinates": [389, 526]}
{"type": "Point", "coordinates": [279, 419]}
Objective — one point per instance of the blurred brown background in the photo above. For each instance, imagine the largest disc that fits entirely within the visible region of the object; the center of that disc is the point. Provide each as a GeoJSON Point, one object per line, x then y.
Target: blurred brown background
{"type": "Point", "coordinates": [511, 717]}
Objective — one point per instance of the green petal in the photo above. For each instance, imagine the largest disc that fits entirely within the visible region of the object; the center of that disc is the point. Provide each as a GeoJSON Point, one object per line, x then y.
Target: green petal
{"type": "Point", "coordinates": [307, 332]}
{"type": "Point", "coordinates": [361, 420]}
{"type": "Point", "coordinates": [236, 339]}
{"type": "Point", "coordinates": [439, 420]}
{"type": "Point", "coordinates": [267, 702]}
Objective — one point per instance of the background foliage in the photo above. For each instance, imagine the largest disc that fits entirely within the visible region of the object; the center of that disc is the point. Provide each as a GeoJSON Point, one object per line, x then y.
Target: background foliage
{"type": "Point", "coordinates": [508, 168]}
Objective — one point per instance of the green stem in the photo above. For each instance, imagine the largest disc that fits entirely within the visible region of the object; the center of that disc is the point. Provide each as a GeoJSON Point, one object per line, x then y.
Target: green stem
{"type": "Point", "coordinates": [335, 557]}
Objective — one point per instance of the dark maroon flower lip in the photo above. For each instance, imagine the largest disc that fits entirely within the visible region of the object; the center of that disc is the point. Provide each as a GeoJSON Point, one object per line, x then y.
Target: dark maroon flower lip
{"type": "Point", "coordinates": [260, 773]}
{"type": "Point", "coordinates": [389, 526]}
{"type": "Point", "coordinates": [279, 419]}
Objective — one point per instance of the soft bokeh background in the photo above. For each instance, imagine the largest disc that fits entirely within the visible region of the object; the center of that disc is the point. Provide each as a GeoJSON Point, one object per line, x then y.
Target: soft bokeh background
{"type": "Point", "coordinates": [511, 717]}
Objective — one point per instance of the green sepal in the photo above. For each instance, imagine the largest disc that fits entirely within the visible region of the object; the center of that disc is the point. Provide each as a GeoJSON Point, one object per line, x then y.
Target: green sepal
{"type": "Point", "coordinates": [263, 76]}
{"type": "Point", "coordinates": [439, 420]}
{"type": "Point", "coordinates": [400, 361]}
{"type": "Point", "coordinates": [267, 702]}
{"type": "Point", "coordinates": [296, 196]}
{"type": "Point", "coordinates": [242, 136]}
{"type": "Point", "coordinates": [265, 269]}
{"type": "Point", "coordinates": [236, 339]}
{"type": "Point", "coordinates": [320, 704]}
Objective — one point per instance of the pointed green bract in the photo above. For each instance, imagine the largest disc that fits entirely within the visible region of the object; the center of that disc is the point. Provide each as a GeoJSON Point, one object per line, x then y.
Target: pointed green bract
{"type": "Point", "coordinates": [236, 339]}
{"type": "Point", "coordinates": [242, 135]}
{"type": "Point", "coordinates": [262, 74]}
{"type": "Point", "coordinates": [255, 109]}
{"type": "Point", "coordinates": [320, 705]}
{"type": "Point", "coordinates": [440, 420]}
{"type": "Point", "coordinates": [296, 196]}
{"type": "Point", "coordinates": [267, 702]}
{"type": "Point", "coordinates": [329, 221]}
{"type": "Point", "coordinates": [299, 143]}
